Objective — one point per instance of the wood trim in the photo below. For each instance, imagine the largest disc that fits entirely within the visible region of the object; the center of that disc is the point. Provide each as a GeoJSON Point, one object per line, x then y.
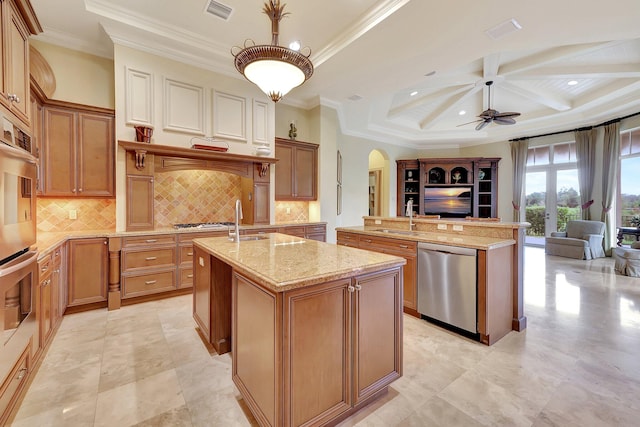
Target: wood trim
{"type": "Point", "coordinates": [190, 153]}
{"type": "Point", "coordinates": [41, 74]}
{"type": "Point", "coordinates": [29, 16]}
{"type": "Point", "coordinates": [75, 106]}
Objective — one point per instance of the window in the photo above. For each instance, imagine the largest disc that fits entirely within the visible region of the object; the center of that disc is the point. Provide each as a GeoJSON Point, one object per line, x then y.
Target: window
{"type": "Point", "coordinates": [629, 186]}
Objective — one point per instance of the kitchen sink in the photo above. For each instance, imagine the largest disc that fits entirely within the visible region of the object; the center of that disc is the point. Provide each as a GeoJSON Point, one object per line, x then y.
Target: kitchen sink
{"type": "Point", "coordinates": [253, 237]}
{"type": "Point", "coordinates": [392, 231]}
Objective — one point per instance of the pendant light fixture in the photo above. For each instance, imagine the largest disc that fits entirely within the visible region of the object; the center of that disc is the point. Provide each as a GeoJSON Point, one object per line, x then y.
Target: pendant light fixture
{"type": "Point", "coordinates": [274, 69]}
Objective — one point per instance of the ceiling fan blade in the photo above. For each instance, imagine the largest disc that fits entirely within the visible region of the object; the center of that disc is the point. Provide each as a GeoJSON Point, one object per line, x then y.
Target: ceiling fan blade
{"type": "Point", "coordinates": [483, 124]}
{"type": "Point", "coordinates": [508, 114]}
{"type": "Point", "coordinates": [504, 121]}
{"type": "Point", "coordinates": [468, 123]}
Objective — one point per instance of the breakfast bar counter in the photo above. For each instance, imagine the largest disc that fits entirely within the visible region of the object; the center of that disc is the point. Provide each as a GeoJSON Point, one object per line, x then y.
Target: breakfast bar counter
{"type": "Point", "coordinates": [314, 329]}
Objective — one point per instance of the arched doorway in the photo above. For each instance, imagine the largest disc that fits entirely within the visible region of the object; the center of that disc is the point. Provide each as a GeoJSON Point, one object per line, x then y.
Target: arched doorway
{"type": "Point", "coordinates": [378, 197]}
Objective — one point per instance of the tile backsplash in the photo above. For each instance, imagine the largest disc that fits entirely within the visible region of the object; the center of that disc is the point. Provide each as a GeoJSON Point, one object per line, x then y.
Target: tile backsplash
{"type": "Point", "coordinates": [195, 196]}
{"type": "Point", "coordinates": [91, 214]}
{"type": "Point", "coordinates": [292, 211]}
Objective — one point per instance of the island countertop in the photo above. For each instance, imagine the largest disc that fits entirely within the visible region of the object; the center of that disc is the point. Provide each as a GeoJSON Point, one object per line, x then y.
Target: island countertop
{"type": "Point", "coordinates": [281, 262]}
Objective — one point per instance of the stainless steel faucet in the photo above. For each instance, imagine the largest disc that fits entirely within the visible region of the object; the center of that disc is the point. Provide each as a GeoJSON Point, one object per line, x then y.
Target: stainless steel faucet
{"type": "Point", "coordinates": [235, 235]}
{"type": "Point", "coordinates": [409, 213]}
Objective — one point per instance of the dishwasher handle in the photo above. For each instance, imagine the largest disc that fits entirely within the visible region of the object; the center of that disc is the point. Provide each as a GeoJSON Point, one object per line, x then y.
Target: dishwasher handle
{"type": "Point", "coordinates": [447, 249]}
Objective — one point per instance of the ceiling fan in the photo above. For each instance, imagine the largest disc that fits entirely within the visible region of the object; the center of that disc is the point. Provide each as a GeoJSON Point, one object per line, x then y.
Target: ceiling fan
{"type": "Point", "coordinates": [490, 115]}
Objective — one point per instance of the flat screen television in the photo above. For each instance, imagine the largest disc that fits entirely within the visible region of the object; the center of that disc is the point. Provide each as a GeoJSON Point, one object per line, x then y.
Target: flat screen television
{"type": "Point", "coordinates": [451, 202]}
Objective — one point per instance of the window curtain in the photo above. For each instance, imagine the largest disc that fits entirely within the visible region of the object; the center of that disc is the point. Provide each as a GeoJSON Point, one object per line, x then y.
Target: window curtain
{"type": "Point", "coordinates": [519, 151]}
{"type": "Point", "coordinates": [586, 154]}
{"type": "Point", "coordinates": [609, 179]}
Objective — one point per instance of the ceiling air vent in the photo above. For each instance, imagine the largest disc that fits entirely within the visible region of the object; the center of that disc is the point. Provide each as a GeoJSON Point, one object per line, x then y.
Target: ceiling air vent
{"type": "Point", "coordinates": [218, 9]}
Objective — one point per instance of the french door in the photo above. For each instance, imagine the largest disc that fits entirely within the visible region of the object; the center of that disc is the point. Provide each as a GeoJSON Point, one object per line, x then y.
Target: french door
{"type": "Point", "coordinates": [551, 199]}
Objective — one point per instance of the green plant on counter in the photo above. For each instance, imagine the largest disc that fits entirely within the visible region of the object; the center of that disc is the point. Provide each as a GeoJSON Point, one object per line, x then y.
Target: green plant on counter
{"type": "Point", "coordinates": [635, 221]}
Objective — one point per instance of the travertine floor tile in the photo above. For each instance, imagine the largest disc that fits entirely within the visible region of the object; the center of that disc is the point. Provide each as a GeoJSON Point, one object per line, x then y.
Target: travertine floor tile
{"type": "Point", "coordinates": [576, 364]}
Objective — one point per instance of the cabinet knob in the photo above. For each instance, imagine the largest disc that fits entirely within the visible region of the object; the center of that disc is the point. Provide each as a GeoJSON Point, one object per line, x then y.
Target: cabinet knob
{"type": "Point", "coordinates": [21, 373]}
{"type": "Point", "coordinates": [80, 190]}
{"type": "Point", "coordinates": [351, 288]}
{"type": "Point", "coordinates": [358, 287]}
{"type": "Point", "coordinates": [73, 191]}
{"type": "Point", "coordinates": [13, 98]}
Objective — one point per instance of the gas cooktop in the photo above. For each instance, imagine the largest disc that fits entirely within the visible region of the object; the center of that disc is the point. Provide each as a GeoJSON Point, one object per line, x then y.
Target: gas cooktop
{"type": "Point", "coordinates": [204, 225]}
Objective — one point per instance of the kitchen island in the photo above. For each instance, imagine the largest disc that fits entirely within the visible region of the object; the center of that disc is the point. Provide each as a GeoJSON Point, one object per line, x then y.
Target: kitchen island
{"type": "Point", "coordinates": [315, 329]}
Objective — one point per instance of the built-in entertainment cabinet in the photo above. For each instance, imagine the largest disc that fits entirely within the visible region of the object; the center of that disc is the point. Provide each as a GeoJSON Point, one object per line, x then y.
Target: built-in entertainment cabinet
{"type": "Point", "coordinates": [449, 187]}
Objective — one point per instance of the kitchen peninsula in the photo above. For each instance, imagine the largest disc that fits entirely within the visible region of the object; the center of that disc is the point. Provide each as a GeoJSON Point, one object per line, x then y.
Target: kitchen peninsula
{"type": "Point", "coordinates": [499, 259]}
{"type": "Point", "coordinates": [315, 329]}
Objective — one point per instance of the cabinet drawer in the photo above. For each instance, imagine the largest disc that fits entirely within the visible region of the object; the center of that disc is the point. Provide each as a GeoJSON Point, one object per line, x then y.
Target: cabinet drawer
{"type": "Point", "coordinates": [186, 254]}
{"type": "Point", "coordinates": [350, 243]}
{"type": "Point", "coordinates": [380, 244]}
{"type": "Point", "coordinates": [315, 229]}
{"type": "Point", "coordinates": [160, 239]}
{"type": "Point", "coordinates": [347, 237]}
{"type": "Point", "coordinates": [320, 237]}
{"type": "Point", "coordinates": [143, 284]}
{"type": "Point", "coordinates": [56, 256]}
{"type": "Point", "coordinates": [45, 265]}
{"type": "Point", "coordinates": [157, 257]}
{"type": "Point", "coordinates": [293, 231]}
{"type": "Point", "coordinates": [188, 237]}
{"type": "Point", "coordinates": [14, 383]}
{"type": "Point", "coordinates": [186, 277]}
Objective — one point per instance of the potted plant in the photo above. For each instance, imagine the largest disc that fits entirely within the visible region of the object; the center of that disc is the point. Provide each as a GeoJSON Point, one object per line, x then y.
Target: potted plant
{"type": "Point", "coordinates": [635, 220]}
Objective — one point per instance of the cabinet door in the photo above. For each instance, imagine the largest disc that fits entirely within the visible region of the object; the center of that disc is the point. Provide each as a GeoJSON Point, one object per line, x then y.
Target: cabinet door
{"type": "Point", "coordinates": [36, 141]}
{"type": "Point", "coordinates": [95, 158]}
{"type": "Point", "coordinates": [202, 291]}
{"type": "Point", "coordinates": [59, 154]}
{"type": "Point", "coordinates": [139, 202]}
{"type": "Point", "coordinates": [17, 80]}
{"type": "Point", "coordinates": [377, 342]}
{"type": "Point", "coordinates": [261, 203]}
{"type": "Point", "coordinates": [305, 173]}
{"type": "Point", "coordinates": [318, 351]}
{"type": "Point", "coordinates": [88, 272]}
{"type": "Point", "coordinates": [45, 310]}
{"type": "Point", "coordinates": [284, 172]}
{"type": "Point", "coordinates": [410, 286]}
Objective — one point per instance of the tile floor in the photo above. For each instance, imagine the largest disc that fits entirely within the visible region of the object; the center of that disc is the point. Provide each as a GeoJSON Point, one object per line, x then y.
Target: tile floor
{"type": "Point", "coordinates": [577, 364]}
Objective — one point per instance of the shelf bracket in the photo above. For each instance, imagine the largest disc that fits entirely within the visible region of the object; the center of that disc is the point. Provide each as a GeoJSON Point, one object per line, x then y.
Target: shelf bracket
{"type": "Point", "coordinates": [140, 157]}
{"type": "Point", "coordinates": [264, 169]}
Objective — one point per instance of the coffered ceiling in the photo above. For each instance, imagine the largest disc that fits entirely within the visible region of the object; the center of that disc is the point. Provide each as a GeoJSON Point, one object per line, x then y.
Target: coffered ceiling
{"type": "Point", "coordinates": [401, 71]}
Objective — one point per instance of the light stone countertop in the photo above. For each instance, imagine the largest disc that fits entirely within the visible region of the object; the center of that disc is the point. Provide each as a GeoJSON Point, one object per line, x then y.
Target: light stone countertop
{"type": "Point", "coordinates": [281, 262]}
{"type": "Point", "coordinates": [461, 240]}
{"type": "Point", "coordinates": [47, 240]}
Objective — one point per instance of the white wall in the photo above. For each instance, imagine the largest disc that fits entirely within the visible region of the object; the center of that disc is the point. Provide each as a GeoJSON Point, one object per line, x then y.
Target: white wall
{"type": "Point", "coordinates": [209, 105]}
{"type": "Point", "coordinates": [91, 80]}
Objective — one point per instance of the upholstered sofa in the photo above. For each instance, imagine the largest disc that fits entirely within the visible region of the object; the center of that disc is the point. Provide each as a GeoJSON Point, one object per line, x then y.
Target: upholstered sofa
{"type": "Point", "coordinates": [582, 240]}
{"type": "Point", "coordinates": [627, 260]}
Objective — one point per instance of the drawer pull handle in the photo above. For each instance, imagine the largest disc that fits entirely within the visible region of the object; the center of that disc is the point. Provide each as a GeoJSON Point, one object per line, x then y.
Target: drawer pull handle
{"type": "Point", "coordinates": [151, 258]}
{"type": "Point", "coordinates": [189, 253]}
{"type": "Point", "coordinates": [367, 240]}
{"type": "Point", "coordinates": [21, 373]}
{"type": "Point", "coordinates": [151, 240]}
{"type": "Point", "coordinates": [45, 268]}
{"type": "Point", "coordinates": [150, 282]}
{"type": "Point", "coordinates": [404, 246]}
{"type": "Point", "coordinates": [189, 276]}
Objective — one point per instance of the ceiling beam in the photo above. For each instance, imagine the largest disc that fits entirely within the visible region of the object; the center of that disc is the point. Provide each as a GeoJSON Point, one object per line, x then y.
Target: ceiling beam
{"type": "Point", "coordinates": [611, 71]}
{"type": "Point", "coordinates": [449, 105]}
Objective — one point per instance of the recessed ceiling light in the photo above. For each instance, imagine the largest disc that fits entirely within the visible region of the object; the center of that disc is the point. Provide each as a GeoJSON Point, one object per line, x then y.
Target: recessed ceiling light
{"type": "Point", "coordinates": [572, 83]}
{"type": "Point", "coordinates": [414, 93]}
{"type": "Point", "coordinates": [462, 112]}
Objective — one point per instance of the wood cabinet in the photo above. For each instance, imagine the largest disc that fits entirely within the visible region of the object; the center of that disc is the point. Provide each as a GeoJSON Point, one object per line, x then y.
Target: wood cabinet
{"type": "Point", "coordinates": [148, 264]}
{"type": "Point", "coordinates": [37, 137]}
{"type": "Point", "coordinates": [339, 344]}
{"type": "Point", "coordinates": [404, 248]}
{"type": "Point", "coordinates": [88, 271]}
{"type": "Point", "coordinates": [45, 322]}
{"type": "Point", "coordinates": [310, 231]}
{"type": "Point", "coordinates": [187, 255]}
{"type": "Point", "coordinates": [18, 23]}
{"type": "Point", "coordinates": [296, 170]}
{"type": "Point", "coordinates": [476, 175]}
{"type": "Point", "coordinates": [80, 143]}
{"type": "Point", "coordinates": [15, 384]}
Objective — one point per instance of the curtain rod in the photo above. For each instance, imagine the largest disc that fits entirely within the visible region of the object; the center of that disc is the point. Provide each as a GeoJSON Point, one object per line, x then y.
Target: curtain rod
{"type": "Point", "coordinates": [577, 129]}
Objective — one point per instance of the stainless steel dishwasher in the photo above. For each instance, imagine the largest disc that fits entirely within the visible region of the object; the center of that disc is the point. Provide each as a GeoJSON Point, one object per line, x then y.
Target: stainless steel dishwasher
{"type": "Point", "coordinates": [447, 288]}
